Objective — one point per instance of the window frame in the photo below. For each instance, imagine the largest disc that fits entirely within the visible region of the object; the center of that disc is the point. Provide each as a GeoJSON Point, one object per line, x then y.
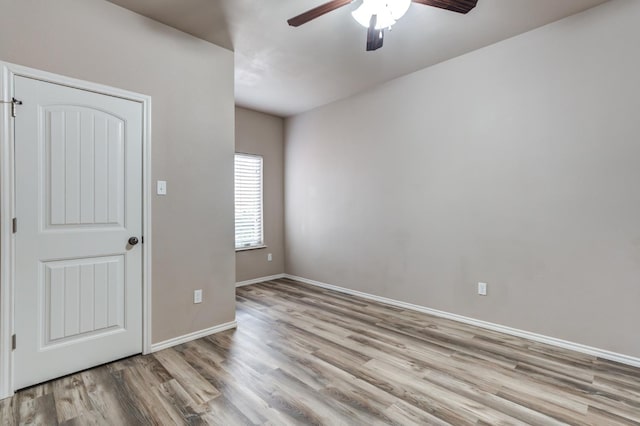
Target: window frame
{"type": "Point", "coordinates": [260, 244]}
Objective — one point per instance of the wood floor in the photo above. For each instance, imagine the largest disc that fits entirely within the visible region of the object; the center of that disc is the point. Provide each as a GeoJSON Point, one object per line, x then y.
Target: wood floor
{"type": "Point", "coordinates": [303, 355]}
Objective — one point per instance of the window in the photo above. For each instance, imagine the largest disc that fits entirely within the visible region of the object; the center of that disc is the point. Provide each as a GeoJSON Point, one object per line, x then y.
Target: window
{"type": "Point", "coordinates": [248, 178]}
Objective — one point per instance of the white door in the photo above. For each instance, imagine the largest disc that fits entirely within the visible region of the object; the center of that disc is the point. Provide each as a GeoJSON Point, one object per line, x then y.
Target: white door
{"type": "Point", "coordinates": [78, 281]}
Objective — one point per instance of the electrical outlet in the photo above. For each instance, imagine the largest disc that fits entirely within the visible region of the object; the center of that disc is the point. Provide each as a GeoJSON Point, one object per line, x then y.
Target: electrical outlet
{"type": "Point", "coordinates": [269, 257]}
{"type": "Point", "coordinates": [162, 187]}
{"type": "Point", "coordinates": [482, 289]}
{"type": "Point", "coordinates": [197, 296]}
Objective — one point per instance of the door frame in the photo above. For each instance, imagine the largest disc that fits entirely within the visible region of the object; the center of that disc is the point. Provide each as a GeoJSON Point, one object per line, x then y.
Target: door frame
{"type": "Point", "coordinates": [8, 72]}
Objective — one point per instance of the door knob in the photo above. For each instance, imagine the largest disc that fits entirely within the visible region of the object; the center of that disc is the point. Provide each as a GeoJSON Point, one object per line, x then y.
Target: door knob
{"type": "Point", "coordinates": [133, 241]}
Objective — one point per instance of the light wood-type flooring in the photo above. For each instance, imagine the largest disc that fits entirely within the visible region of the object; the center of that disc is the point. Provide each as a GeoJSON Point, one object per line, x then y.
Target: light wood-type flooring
{"type": "Point", "coordinates": [303, 355]}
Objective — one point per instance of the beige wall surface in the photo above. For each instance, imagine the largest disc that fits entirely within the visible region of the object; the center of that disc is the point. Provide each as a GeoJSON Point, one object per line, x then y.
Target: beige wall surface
{"type": "Point", "coordinates": [517, 165]}
{"type": "Point", "coordinates": [263, 134]}
{"type": "Point", "coordinates": [191, 84]}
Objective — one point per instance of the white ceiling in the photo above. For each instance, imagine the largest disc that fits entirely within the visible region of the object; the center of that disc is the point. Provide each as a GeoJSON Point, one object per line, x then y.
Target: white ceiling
{"type": "Point", "coordinates": [284, 70]}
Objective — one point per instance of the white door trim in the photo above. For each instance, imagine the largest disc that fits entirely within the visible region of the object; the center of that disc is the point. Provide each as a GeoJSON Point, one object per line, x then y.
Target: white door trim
{"type": "Point", "coordinates": [7, 206]}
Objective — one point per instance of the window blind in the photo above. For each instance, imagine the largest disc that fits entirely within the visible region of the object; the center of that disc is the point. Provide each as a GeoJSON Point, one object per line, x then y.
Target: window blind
{"type": "Point", "coordinates": [248, 202]}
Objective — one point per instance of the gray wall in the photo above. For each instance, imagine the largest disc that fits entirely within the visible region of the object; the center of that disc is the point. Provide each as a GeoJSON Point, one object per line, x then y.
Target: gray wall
{"type": "Point", "coordinates": [191, 83]}
{"type": "Point", "coordinates": [263, 134]}
{"type": "Point", "coordinates": [517, 165]}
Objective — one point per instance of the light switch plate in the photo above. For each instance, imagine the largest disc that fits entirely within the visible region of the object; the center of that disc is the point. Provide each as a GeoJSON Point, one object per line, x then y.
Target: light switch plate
{"type": "Point", "coordinates": [197, 296]}
{"type": "Point", "coordinates": [162, 187]}
{"type": "Point", "coordinates": [482, 289]}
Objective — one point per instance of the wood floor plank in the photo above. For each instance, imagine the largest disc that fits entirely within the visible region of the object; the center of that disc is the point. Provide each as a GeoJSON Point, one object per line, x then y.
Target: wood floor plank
{"type": "Point", "coordinates": [9, 411]}
{"type": "Point", "coordinates": [198, 389]}
{"type": "Point", "coordinates": [278, 410]}
{"type": "Point", "coordinates": [221, 411]}
{"type": "Point", "coordinates": [307, 355]}
{"type": "Point", "coordinates": [153, 372]}
{"type": "Point", "coordinates": [236, 384]}
{"type": "Point", "coordinates": [104, 394]}
{"type": "Point", "coordinates": [132, 402]}
{"type": "Point", "coordinates": [302, 403]}
{"type": "Point", "coordinates": [405, 414]}
{"type": "Point", "coordinates": [71, 398]}
{"type": "Point", "coordinates": [441, 396]}
{"type": "Point", "coordinates": [604, 417]}
{"type": "Point", "coordinates": [211, 371]}
{"type": "Point", "coordinates": [88, 418]}
{"type": "Point", "coordinates": [136, 383]}
{"type": "Point", "coordinates": [356, 393]}
{"type": "Point", "coordinates": [40, 410]}
{"type": "Point", "coordinates": [174, 395]}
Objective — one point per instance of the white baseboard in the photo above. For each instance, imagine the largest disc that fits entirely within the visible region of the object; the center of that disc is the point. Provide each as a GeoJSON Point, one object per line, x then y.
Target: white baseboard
{"type": "Point", "coordinates": [578, 347]}
{"type": "Point", "coordinates": [192, 336]}
{"type": "Point", "coordinates": [259, 280]}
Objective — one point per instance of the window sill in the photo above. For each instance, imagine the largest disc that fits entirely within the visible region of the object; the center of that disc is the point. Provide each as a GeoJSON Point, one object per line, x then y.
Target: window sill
{"type": "Point", "coordinates": [250, 248]}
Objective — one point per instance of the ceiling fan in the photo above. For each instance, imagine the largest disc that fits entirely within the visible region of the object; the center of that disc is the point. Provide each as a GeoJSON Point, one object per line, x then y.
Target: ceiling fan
{"type": "Point", "coordinates": [376, 15]}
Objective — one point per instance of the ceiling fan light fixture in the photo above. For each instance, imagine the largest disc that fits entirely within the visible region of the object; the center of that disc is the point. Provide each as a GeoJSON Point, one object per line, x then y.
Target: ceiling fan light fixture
{"type": "Point", "coordinates": [387, 12]}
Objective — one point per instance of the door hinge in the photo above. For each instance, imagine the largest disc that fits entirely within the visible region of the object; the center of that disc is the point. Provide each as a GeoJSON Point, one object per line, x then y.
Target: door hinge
{"type": "Point", "coordinates": [14, 102]}
{"type": "Point", "coordinates": [14, 225]}
{"type": "Point", "coordinates": [13, 342]}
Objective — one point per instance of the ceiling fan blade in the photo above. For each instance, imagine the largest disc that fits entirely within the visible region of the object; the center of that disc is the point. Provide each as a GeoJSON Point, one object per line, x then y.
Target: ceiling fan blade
{"type": "Point", "coordinates": [460, 6]}
{"type": "Point", "coordinates": [374, 37]}
{"type": "Point", "coordinates": [307, 16]}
